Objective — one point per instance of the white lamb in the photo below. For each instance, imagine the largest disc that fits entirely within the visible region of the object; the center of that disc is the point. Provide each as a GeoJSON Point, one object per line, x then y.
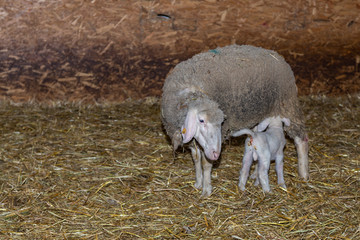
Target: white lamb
{"type": "Point", "coordinates": [264, 146]}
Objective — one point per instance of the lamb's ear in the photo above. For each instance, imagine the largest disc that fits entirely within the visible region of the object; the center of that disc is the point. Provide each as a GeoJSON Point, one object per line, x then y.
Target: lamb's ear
{"type": "Point", "coordinates": [263, 125]}
{"type": "Point", "coordinates": [286, 121]}
{"type": "Point", "coordinates": [188, 130]}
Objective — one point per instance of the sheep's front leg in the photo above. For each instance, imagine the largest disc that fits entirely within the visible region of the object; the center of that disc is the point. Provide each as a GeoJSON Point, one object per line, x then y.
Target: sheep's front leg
{"type": "Point", "coordinates": [279, 162]}
{"type": "Point", "coordinates": [207, 167]}
{"type": "Point", "coordinates": [244, 172]}
{"type": "Point", "coordinates": [302, 148]}
{"type": "Point", "coordinates": [196, 155]}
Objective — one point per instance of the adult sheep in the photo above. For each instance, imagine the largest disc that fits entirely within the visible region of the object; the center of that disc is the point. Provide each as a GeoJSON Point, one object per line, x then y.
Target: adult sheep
{"type": "Point", "coordinates": [207, 97]}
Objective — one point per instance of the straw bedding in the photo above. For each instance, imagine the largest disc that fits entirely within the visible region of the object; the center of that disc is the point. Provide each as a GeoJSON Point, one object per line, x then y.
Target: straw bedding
{"type": "Point", "coordinates": [76, 171]}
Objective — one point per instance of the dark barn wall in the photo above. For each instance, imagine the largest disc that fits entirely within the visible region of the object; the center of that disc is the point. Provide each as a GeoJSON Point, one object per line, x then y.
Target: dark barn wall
{"type": "Point", "coordinates": [114, 50]}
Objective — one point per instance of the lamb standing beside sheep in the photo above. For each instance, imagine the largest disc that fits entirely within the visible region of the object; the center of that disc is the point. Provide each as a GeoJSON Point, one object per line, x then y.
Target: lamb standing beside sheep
{"type": "Point", "coordinates": [207, 97]}
{"type": "Point", "coordinates": [264, 147]}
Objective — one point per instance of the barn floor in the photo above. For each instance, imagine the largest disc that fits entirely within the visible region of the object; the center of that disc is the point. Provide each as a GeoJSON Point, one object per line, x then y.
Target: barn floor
{"type": "Point", "coordinates": [73, 171]}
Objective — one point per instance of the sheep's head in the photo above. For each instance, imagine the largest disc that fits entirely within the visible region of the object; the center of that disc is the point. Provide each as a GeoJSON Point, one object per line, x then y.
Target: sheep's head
{"type": "Point", "coordinates": [203, 122]}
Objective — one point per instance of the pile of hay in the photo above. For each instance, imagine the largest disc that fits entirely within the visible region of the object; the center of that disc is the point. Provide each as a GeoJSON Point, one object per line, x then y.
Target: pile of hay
{"type": "Point", "coordinates": [72, 171]}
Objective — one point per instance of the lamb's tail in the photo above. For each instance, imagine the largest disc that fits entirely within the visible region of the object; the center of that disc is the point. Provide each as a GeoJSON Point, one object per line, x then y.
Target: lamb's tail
{"type": "Point", "coordinates": [242, 132]}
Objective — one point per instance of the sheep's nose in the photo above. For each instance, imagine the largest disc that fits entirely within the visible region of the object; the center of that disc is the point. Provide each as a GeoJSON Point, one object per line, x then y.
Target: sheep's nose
{"type": "Point", "coordinates": [216, 155]}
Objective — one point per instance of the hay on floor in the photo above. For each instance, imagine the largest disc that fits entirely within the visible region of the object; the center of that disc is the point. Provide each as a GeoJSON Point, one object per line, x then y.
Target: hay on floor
{"type": "Point", "coordinates": [72, 171]}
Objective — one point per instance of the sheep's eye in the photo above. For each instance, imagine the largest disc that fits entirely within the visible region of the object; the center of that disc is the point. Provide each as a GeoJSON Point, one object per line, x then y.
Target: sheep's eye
{"type": "Point", "coordinates": [201, 120]}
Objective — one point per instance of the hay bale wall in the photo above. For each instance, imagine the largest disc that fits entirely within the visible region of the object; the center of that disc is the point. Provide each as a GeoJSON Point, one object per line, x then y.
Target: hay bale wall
{"type": "Point", "coordinates": [113, 50]}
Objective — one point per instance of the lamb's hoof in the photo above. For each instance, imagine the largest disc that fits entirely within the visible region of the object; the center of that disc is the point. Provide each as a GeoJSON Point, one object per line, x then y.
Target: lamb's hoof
{"type": "Point", "coordinates": [198, 185]}
{"type": "Point", "coordinates": [242, 187]}
{"type": "Point", "coordinates": [267, 191]}
{"type": "Point", "coordinates": [283, 186]}
{"type": "Point", "coordinates": [206, 192]}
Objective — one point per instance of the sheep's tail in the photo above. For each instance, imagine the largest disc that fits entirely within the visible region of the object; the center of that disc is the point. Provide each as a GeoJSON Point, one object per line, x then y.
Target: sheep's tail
{"type": "Point", "coordinates": [242, 132]}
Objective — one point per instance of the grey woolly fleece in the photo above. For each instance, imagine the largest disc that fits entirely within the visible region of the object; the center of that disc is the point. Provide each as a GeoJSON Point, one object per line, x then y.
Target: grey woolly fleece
{"type": "Point", "coordinates": [248, 84]}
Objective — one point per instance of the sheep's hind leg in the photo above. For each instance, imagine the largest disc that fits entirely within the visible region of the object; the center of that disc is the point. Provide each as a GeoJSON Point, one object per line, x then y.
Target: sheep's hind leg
{"type": "Point", "coordinates": [196, 155]}
{"type": "Point", "coordinates": [302, 148]}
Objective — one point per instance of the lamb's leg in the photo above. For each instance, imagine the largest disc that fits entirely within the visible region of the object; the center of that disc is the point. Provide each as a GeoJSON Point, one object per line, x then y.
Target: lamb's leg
{"type": "Point", "coordinates": [302, 149]}
{"type": "Point", "coordinates": [279, 161]}
{"type": "Point", "coordinates": [206, 166]}
{"type": "Point", "coordinates": [263, 171]}
{"type": "Point", "coordinates": [255, 175]}
{"type": "Point", "coordinates": [196, 155]}
{"type": "Point", "coordinates": [244, 172]}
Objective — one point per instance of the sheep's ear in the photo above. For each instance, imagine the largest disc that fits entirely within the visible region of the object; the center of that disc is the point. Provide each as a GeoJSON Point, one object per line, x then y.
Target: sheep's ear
{"type": "Point", "coordinates": [263, 125]}
{"type": "Point", "coordinates": [188, 130]}
{"type": "Point", "coordinates": [286, 121]}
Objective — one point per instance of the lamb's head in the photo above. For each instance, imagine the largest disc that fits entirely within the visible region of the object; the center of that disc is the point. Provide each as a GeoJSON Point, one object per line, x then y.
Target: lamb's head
{"type": "Point", "coordinates": [203, 122]}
